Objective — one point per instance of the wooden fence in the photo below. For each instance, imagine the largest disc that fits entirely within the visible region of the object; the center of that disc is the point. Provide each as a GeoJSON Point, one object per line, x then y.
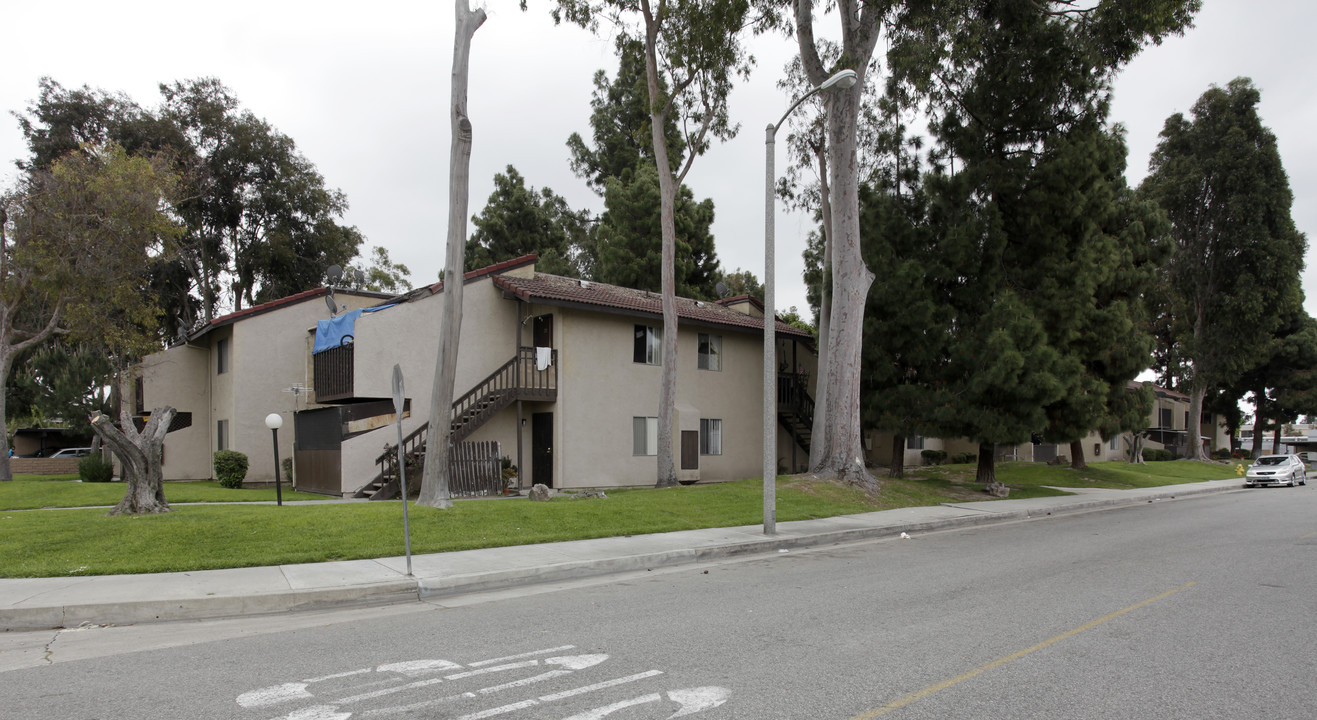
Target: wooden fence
{"type": "Point", "coordinates": [475, 469]}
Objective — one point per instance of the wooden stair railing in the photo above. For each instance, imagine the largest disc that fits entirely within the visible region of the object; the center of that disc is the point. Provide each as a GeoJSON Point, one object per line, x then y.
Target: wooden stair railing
{"type": "Point", "coordinates": [517, 379]}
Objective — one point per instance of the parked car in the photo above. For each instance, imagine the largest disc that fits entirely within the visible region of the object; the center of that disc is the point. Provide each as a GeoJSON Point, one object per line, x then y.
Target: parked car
{"type": "Point", "coordinates": [72, 453]}
{"type": "Point", "coordinates": [1277, 470]}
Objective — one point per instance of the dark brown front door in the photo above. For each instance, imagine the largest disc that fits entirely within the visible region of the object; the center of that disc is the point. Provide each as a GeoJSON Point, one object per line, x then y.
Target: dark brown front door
{"type": "Point", "coordinates": [541, 448]}
{"type": "Point", "coordinates": [690, 450]}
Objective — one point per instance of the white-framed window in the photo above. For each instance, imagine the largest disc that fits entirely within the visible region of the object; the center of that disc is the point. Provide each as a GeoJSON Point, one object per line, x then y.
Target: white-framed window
{"type": "Point", "coordinates": [1115, 442]}
{"type": "Point", "coordinates": [914, 442]}
{"type": "Point", "coordinates": [711, 352]}
{"type": "Point", "coordinates": [644, 436]}
{"type": "Point", "coordinates": [222, 435]}
{"type": "Point", "coordinates": [222, 357]}
{"type": "Point", "coordinates": [648, 345]}
{"type": "Point", "coordinates": [711, 436]}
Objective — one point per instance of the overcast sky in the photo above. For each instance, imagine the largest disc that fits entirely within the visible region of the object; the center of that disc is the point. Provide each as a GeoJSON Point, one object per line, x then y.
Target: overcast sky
{"type": "Point", "coordinates": [363, 89]}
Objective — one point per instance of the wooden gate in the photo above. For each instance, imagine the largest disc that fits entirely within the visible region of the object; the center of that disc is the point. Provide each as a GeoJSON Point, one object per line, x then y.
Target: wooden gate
{"type": "Point", "coordinates": [475, 469]}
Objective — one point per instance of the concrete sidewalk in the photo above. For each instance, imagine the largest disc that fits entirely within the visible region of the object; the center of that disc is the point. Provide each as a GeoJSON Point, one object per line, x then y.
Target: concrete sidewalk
{"type": "Point", "coordinates": [37, 603]}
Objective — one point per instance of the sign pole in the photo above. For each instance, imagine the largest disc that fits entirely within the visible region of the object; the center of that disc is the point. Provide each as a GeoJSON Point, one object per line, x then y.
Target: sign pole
{"type": "Point", "coordinates": [402, 465]}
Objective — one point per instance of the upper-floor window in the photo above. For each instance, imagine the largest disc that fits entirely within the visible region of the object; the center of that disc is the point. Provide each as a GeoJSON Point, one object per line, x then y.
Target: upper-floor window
{"type": "Point", "coordinates": [711, 352]}
{"type": "Point", "coordinates": [649, 345]}
{"type": "Point", "coordinates": [222, 357]}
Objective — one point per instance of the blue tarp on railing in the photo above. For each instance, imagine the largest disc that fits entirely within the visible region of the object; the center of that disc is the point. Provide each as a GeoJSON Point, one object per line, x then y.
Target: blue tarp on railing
{"type": "Point", "coordinates": [339, 330]}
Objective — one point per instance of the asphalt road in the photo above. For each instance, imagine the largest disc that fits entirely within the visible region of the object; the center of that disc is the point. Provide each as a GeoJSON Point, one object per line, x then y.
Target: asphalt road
{"type": "Point", "coordinates": [1199, 608]}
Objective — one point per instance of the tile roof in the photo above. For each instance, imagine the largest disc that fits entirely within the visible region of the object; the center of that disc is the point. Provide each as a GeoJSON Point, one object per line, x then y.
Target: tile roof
{"type": "Point", "coordinates": [265, 307]}
{"type": "Point", "coordinates": [557, 290]}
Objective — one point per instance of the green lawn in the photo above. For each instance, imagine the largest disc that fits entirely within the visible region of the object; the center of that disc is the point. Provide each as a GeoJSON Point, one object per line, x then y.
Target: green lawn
{"type": "Point", "coordinates": [60, 543]}
{"type": "Point", "coordinates": [1112, 475]}
{"type": "Point", "coordinates": [28, 492]}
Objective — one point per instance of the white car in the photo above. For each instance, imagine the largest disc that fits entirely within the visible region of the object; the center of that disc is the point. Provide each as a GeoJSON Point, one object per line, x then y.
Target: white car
{"type": "Point", "coordinates": [1277, 470]}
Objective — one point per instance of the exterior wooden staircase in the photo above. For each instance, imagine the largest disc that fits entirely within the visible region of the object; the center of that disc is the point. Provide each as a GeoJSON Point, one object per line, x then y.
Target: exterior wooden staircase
{"type": "Point", "coordinates": [517, 379]}
{"type": "Point", "coordinates": [795, 407]}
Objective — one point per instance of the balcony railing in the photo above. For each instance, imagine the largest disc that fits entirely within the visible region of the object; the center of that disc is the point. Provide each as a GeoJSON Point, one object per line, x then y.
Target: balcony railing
{"type": "Point", "coordinates": [333, 373]}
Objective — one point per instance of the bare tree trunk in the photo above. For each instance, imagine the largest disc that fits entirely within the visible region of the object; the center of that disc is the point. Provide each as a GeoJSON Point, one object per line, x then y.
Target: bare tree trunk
{"type": "Point", "coordinates": [896, 467]}
{"type": "Point", "coordinates": [1193, 433]}
{"type": "Point", "coordinates": [139, 459]}
{"type": "Point", "coordinates": [1135, 441]}
{"type": "Point", "coordinates": [1276, 439]}
{"type": "Point", "coordinates": [434, 481]}
{"type": "Point", "coordinates": [843, 454]}
{"type": "Point", "coordinates": [819, 435]}
{"type": "Point", "coordinates": [1259, 419]}
{"type": "Point", "coordinates": [987, 468]}
{"type": "Point", "coordinates": [1077, 455]}
{"type": "Point", "coordinates": [667, 411]}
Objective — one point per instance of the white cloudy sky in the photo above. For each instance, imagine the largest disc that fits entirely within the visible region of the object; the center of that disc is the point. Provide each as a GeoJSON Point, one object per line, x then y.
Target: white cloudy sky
{"type": "Point", "coordinates": [363, 89]}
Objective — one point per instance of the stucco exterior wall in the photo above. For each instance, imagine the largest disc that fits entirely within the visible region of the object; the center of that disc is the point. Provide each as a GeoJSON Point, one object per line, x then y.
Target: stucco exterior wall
{"type": "Point", "coordinates": [408, 335]}
{"type": "Point", "coordinates": [179, 377]}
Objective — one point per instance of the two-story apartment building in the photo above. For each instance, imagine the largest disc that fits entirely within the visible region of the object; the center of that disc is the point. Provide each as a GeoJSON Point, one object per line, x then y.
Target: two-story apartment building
{"type": "Point", "coordinates": [564, 374]}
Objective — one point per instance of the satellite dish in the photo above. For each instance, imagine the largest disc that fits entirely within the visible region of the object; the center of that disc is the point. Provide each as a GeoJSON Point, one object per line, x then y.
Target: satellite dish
{"type": "Point", "coordinates": [722, 289]}
{"type": "Point", "coordinates": [333, 273]}
{"type": "Point", "coordinates": [358, 277]}
{"type": "Point", "coordinates": [182, 329]}
{"type": "Point", "coordinates": [333, 307]}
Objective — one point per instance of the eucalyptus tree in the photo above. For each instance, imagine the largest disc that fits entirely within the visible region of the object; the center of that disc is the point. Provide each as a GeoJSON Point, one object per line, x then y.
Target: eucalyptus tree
{"type": "Point", "coordinates": [693, 52]}
{"type": "Point", "coordinates": [438, 437]}
{"type": "Point", "coordinates": [1220, 179]}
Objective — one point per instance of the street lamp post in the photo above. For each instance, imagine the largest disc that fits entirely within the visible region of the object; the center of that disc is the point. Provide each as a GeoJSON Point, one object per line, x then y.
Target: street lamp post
{"type": "Point", "coordinates": [844, 79]}
{"type": "Point", "coordinates": [274, 421]}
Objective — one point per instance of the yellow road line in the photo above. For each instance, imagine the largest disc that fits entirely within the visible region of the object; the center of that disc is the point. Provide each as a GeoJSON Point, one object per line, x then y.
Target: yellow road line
{"type": "Point", "coordinates": [931, 689]}
{"type": "Point", "coordinates": [1309, 535]}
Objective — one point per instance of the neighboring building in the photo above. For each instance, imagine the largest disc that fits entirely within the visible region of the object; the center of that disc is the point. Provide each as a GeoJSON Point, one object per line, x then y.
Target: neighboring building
{"type": "Point", "coordinates": [563, 374]}
{"type": "Point", "coordinates": [1166, 430]}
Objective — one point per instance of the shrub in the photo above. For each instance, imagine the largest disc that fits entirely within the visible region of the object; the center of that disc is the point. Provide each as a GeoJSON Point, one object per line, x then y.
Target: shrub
{"type": "Point", "coordinates": [230, 468]}
{"type": "Point", "coordinates": [1222, 454]}
{"type": "Point", "coordinates": [962, 458]}
{"type": "Point", "coordinates": [933, 457]}
{"type": "Point", "coordinates": [1155, 455]}
{"type": "Point", "coordinates": [95, 468]}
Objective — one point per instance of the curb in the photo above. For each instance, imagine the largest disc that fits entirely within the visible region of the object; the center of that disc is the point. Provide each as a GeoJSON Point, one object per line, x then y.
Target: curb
{"type": "Point", "coordinates": [421, 589]}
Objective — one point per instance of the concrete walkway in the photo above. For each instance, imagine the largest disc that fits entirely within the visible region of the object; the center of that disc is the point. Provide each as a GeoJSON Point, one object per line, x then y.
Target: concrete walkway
{"type": "Point", "coordinates": [36, 603]}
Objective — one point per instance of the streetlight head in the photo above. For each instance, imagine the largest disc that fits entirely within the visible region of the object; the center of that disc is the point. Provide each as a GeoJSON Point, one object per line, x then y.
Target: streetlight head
{"type": "Point", "coordinates": [274, 421]}
{"type": "Point", "coordinates": [844, 79]}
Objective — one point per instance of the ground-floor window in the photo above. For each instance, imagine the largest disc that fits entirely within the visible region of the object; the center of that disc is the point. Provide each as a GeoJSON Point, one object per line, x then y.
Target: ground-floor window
{"type": "Point", "coordinates": [711, 436]}
{"type": "Point", "coordinates": [644, 436]}
{"type": "Point", "coordinates": [915, 442]}
{"type": "Point", "coordinates": [222, 435]}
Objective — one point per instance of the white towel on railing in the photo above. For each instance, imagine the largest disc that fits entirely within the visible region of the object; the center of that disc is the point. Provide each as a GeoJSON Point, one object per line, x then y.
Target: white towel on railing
{"type": "Point", "coordinates": [543, 357]}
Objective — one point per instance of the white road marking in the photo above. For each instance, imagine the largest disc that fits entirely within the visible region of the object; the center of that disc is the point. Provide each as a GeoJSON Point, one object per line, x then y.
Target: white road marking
{"type": "Point", "coordinates": [389, 691]}
{"type": "Point", "coordinates": [416, 668]}
{"type": "Point", "coordinates": [533, 653]}
{"type": "Point", "coordinates": [525, 681]}
{"type": "Point", "coordinates": [335, 676]}
{"type": "Point", "coordinates": [499, 710]}
{"type": "Point", "coordinates": [265, 697]}
{"type": "Point", "coordinates": [610, 709]}
{"type": "Point", "coordinates": [600, 686]}
{"type": "Point", "coordinates": [319, 712]}
{"type": "Point", "coordinates": [698, 699]}
{"type": "Point", "coordinates": [496, 668]}
{"type": "Point", "coordinates": [576, 662]}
